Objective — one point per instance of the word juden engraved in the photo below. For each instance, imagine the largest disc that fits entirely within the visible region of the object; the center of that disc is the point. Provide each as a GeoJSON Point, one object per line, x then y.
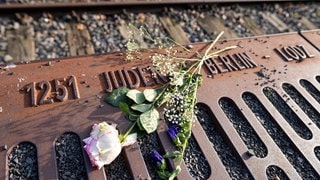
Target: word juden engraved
{"type": "Point", "coordinates": [133, 78]}
{"type": "Point", "coordinates": [57, 90]}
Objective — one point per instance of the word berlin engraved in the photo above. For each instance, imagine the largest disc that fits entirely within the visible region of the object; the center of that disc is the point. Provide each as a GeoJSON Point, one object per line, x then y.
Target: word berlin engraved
{"type": "Point", "coordinates": [298, 52]}
{"type": "Point", "coordinates": [45, 92]}
{"type": "Point", "coordinates": [229, 63]}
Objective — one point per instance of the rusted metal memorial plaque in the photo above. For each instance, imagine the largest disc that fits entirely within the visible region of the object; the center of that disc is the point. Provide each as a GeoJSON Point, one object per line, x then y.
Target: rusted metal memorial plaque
{"type": "Point", "coordinates": [313, 37]}
{"type": "Point", "coordinates": [256, 96]}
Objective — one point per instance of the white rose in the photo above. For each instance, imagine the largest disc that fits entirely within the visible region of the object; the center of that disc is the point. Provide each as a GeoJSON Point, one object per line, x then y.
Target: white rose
{"type": "Point", "coordinates": [103, 145]}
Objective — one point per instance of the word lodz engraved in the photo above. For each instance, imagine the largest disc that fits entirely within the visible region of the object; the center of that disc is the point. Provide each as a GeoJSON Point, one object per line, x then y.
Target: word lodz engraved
{"type": "Point", "coordinates": [133, 78]}
{"type": "Point", "coordinates": [46, 92]}
{"type": "Point", "coordinates": [229, 63]}
{"type": "Point", "coordinates": [298, 52]}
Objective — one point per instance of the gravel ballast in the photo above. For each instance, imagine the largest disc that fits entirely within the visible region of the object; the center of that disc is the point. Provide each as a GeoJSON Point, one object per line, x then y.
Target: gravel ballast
{"type": "Point", "coordinates": [22, 161]}
{"type": "Point", "coordinates": [274, 172]}
{"type": "Point", "coordinates": [147, 145]}
{"type": "Point", "coordinates": [306, 107]}
{"type": "Point", "coordinates": [284, 143]}
{"type": "Point", "coordinates": [287, 113]}
{"type": "Point", "coordinates": [233, 164]}
{"type": "Point", "coordinates": [70, 161]}
{"type": "Point", "coordinates": [317, 152]}
{"type": "Point", "coordinates": [195, 161]}
{"type": "Point", "coordinates": [244, 129]}
{"type": "Point", "coordinates": [50, 32]}
{"type": "Point", "coordinates": [314, 92]}
{"type": "Point", "coordinates": [118, 169]}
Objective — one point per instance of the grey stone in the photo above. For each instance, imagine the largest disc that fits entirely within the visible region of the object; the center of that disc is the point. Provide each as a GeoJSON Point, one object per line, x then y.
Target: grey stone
{"type": "Point", "coordinates": [3, 46]}
{"type": "Point", "coordinates": [84, 16]}
{"type": "Point", "coordinates": [100, 23]}
{"type": "Point", "coordinates": [28, 20]}
{"type": "Point", "coordinates": [2, 30]}
{"type": "Point", "coordinates": [250, 152]}
{"type": "Point", "coordinates": [29, 160]}
{"type": "Point", "coordinates": [16, 25]}
{"type": "Point", "coordinates": [16, 160]}
{"type": "Point", "coordinates": [7, 58]}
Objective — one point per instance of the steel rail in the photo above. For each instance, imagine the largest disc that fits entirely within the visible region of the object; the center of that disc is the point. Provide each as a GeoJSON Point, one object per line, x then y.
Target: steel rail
{"type": "Point", "coordinates": [98, 3]}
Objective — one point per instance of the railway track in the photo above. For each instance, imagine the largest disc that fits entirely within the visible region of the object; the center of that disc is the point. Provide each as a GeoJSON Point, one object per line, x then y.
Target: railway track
{"type": "Point", "coordinates": [261, 122]}
{"type": "Point", "coordinates": [30, 36]}
{"type": "Point", "coordinates": [12, 4]}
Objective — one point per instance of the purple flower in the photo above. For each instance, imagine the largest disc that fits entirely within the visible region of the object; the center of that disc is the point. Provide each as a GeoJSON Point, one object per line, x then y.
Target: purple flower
{"type": "Point", "coordinates": [173, 132]}
{"type": "Point", "coordinates": [157, 159]}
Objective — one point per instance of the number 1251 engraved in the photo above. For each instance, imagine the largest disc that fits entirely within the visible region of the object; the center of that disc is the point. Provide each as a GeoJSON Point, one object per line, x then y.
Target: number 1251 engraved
{"type": "Point", "coordinates": [45, 92]}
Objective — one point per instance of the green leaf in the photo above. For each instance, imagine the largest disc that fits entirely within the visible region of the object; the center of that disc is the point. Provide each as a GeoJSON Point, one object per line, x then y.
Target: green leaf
{"type": "Point", "coordinates": [149, 120]}
{"type": "Point", "coordinates": [136, 96]}
{"type": "Point", "coordinates": [141, 107]}
{"type": "Point", "coordinates": [174, 154]}
{"type": "Point", "coordinates": [175, 173]}
{"type": "Point", "coordinates": [150, 94]}
{"type": "Point", "coordinates": [117, 96]}
{"type": "Point", "coordinates": [141, 132]}
{"type": "Point", "coordinates": [182, 138]}
{"type": "Point", "coordinates": [124, 107]}
{"type": "Point", "coordinates": [160, 89]}
{"type": "Point", "coordinates": [140, 125]}
{"type": "Point", "coordinates": [133, 117]}
{"type": "Point", "coordinates": [164, 174]}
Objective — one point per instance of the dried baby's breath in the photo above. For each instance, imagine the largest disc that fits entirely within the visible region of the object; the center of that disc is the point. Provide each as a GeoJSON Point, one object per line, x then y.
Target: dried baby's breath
{"type": "Point", "coordinates": [179, 96]}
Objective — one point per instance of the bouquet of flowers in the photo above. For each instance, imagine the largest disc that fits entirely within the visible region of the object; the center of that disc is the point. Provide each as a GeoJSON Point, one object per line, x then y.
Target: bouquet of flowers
{"type": "Point", "coordinates": [177, 99]}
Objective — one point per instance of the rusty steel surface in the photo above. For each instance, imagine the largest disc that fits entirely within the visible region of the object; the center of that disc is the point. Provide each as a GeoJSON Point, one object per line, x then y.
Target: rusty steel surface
{"type": "Point", "coordinates": [313, 37]}
{"type": "Point", "coordinates": [42, 100]}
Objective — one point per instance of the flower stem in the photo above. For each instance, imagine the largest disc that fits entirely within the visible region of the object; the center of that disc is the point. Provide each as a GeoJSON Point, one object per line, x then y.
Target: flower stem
{"type": "Point", "coordinates": [154, 103]}
{"type": "Point", "coordinates": [128, 131]}
{"type": "Point", "coordinates": [189, 127]}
